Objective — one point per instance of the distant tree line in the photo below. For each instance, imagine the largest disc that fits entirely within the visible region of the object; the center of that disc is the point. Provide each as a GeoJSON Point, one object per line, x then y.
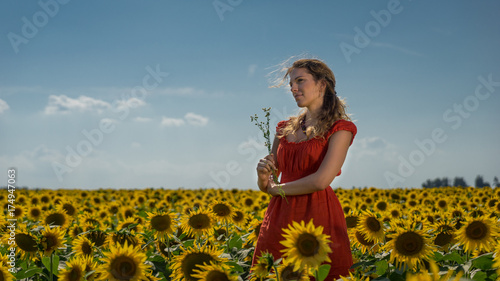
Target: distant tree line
{"type": "Point", "coordinates": [459, 181]}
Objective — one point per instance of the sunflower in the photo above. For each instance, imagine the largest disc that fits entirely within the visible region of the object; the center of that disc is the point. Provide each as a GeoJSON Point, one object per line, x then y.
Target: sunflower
{"type": "Point", "coordinates": [5, 275]}
{"type": "Point", "coordinates": [262, 268]}
{"type": "Point", "coordinates": [445, 235]}
{"type": "Point", "coordinates": [68, 206]}
{"type": "Point", "coordinates": [131, 225]}
{"type": "Point", "coordinates": [395, 212]}
{"type": "Point", "coordinates": [239, 217]}
{"type": "Point", "coordinates": [381, 205]}
{"type": "Point", "coordinates": [98, 237]}
{"type": "Point", "coordinates": [34, 213]}
{"type": "Point", "coordinates": [255, 230]}
{"type": "Point", "coordinates": [124, 262]}
{"type": "Point", "coordinates": [286, 272]}
{"type": "Point", "coordinates": [90, 221]}
{"type": "Point", "coordinates": [198, 223]}
{"type": "Point", "coordinates": [477, 234]}
{"type": "Point", "coordinates": [359, 241]}
{"type": "Point", "coordinates": [496, 259]}
{"type": "Point", "coordinates": [51, 239]}
{"type": "Point", "coordinates": [74, 271]}
{"type": "Point", "coordinates": [26, 243]}
{"type": "Point", "coordinates": [351, 220]}
{"type": "Point", "coordinates": [57, 217]}
{"type": "Point", "coordinates": [18, 213]}
{"type": "Point", "coordinates": [162, 224]}
{"type": "Point", "coordinates": [185, 264]}
{"type": "Point", "coordinates": [371, 227]}
{"type": "Point", "coordinates": [83, 246]}
{"type": "Point", "coordinates": [306, 245]}
{"type": "Point", "coordinates": [222, 210]}
{"type": "Point", "coordinates": [409, 246]}
{"type": "Point", "coordinates": [214, 272]}
{"type": "Point", "coordinates": [442, 204]}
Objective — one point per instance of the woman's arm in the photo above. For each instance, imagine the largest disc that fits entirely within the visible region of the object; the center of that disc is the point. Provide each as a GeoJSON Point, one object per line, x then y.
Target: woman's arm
{"type": "Point", "coordinates": [338, 144]}
{"type": "Point", "coordinates": [266, 166]}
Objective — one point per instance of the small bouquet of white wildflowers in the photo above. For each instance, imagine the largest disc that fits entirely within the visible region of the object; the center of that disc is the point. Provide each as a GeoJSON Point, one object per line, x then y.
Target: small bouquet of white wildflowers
{"type": "Point", "coordinates": [264, 127]}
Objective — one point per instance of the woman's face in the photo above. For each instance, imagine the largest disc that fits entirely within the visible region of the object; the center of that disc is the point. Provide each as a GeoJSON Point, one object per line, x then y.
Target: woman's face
{"type": "Point", "coordinates": [307, 92]}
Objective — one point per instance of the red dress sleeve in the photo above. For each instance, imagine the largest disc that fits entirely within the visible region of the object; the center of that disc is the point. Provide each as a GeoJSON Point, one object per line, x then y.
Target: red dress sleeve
{"type": "Point", "coordinates": [343, 125]}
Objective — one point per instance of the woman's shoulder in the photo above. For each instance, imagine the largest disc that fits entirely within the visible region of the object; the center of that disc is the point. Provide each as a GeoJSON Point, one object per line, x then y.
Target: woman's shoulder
{"type": "Point", "coordinates": [343, 125]}
{"type": "Point", "coordinates": [282, 124]}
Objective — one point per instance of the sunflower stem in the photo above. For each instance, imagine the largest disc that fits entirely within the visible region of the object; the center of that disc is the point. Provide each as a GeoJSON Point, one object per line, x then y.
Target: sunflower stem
{"type": "Point", "coordinates": [276, 272]}
{"type": "Point", "coordinates": [51, 274]}
{"type": "Point", "coordinates": [168, 248]}
{"type": "Point", "coordinates": [227, 237]}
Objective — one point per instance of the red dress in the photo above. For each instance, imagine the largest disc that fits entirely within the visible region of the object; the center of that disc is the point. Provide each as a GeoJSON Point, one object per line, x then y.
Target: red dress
{"type": "Point", "coordinates": [297, 160]}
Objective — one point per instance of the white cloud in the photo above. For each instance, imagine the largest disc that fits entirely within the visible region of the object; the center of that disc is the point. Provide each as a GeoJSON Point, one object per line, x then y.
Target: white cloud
{"type": "Point", "coordinates": [135, 145]}
{"type": "Point", "coordinates": [142, 119]}
{"type": "Point", "coordinates": [63, 104]}
{"type": "Point", "coordinates": [3, 106]}
{"type": "Point", "coordinates": [130, 103]}
{"type": "Point", "coordinates": [196, 120]}
{"type": "Point", "coordinates": [170, 122]}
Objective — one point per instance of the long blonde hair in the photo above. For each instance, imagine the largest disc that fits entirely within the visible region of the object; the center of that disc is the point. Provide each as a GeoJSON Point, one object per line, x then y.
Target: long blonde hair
{"type": "Point", "coordinates": [333, 109]}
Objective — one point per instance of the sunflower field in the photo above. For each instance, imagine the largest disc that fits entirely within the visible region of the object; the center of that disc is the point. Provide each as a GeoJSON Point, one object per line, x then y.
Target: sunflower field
{"type": "Point", "coordinates": [209, 234]}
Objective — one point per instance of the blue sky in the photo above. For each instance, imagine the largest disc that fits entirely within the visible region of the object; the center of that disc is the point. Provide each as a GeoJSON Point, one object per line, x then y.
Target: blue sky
{"type": "Point", "coordinates": [129, 94]}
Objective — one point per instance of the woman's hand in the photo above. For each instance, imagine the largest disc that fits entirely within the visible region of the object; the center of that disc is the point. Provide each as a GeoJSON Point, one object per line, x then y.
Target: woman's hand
{"type": "Point", "coordinates": [273, 188]}
{"type": "Point", "coordinates": [265, 167]}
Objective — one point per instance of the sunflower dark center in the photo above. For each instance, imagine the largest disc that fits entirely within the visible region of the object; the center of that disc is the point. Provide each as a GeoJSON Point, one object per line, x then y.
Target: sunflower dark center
{"type": "Point", "coordinates": [55, 219]}
{"type": "Point", "coordinates": [35, 212]}
{"type": "Point", "coordinates": [238, 216]}
{"type": "Point", "coordinates": [307, 244]}
{"type": "Point", "coordinates": [50, 242]}
{"type": "Point", "coordinates": [161, 222]}
{"type": "Point", "coordinates": [289, 275]}
{"type": "Point", "coordinates": [395, 213]}
{"type": "Point", "coordinates": [86, 249]}
{"type": "Point", "coordinates": [192, 261]}
{"type": "Point", "coordinates": [199, 221]}
{"type": "Point", "coordinates": [248, 202]}
{"type": "Point", "coordinates": [70, 209]}
{"type": "Point", "coordinates": [361, 239]}
{"type": "Point", "coordinates": [373, 224]}
{"type": "Point", "coordinates": [409, 243]}
{"type": "Point", "coordinates": [216, 276]}
{"type": "Point", "coordinates": [123, 268]}
{"type": "Point", "coordinates": [442, 204]}
{"type": "Point", "coordinates": [97, 237]}
{"type": "Point", "coordinates": [128, 214]}
{"type": "Point", "coordinates": [221, 210]}
{"type": "Point", "coordinates": [382, 206]}
{"type": "Point", "coordinates": [75, 274]}
{"type": "Point", "coordinates": [477, 230]}
{"type": "Point", "coordinates": [114, 209]}
{"type": "Point", "coordinates": [26, 242]}
{"type": "Point", "coordinates": [443, 239]}
{"type": "Point", "coordinates": [351, 221]}
{"type": "Point", "coordinates": [18, 212]}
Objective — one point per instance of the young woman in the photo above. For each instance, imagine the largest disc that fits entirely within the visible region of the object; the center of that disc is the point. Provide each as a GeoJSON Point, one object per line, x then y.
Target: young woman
{"type": "Point", "coordinates": [308, 152]}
